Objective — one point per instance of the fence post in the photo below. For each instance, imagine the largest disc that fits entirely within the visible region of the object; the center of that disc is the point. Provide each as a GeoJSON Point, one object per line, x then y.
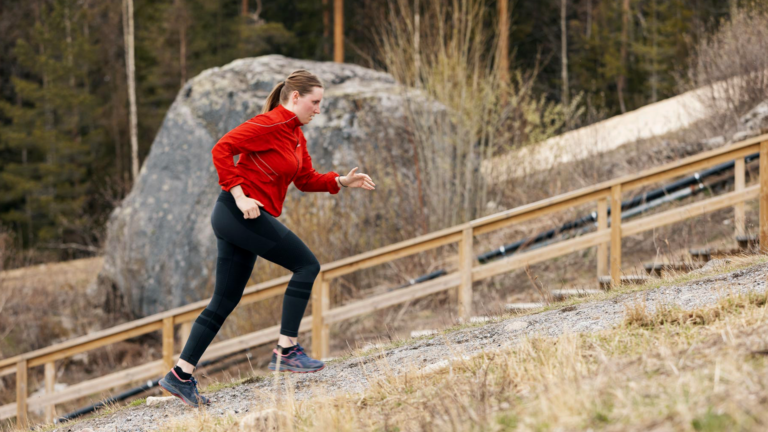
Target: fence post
{"type": "Point", "coordinates": [739, 218]}
{"type": "Point", "coordinates": [50, 385]}
{"type": "Point", "coordinates": [602, 248]}
{"type": "Point", "coordinates": [616, 235]}
{"type": "Point", "coordinates": [764, 196]}
{"type": "Point", "coordinates": [21, 393]}
{"type": "Point", "coordinates": [167, 344]}
{"type": "Point", "coordinates": [466, 259]}
{"type": "Point", "coordinates": [184, 331]}
{"type": "Point", "coordinates": [321, 301]}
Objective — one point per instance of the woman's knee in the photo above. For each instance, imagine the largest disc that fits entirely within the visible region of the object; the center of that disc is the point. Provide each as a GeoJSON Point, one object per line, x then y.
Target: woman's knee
{"type": "Point", "coordinates": [310, 266]}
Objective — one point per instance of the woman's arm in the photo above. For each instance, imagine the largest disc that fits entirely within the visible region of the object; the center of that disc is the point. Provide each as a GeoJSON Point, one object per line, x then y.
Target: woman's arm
{"type": "Point", "coordinates": [309, 180]}
{"type": "Point", "coordinates": [356, 180]}
{"type": "Point", "coordinates": [249, 206]}
{"type": "Point", "coordinates": [246, 138]}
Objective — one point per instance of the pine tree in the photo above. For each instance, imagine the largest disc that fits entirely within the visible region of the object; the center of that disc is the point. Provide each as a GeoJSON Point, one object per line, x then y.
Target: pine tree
{"type": "Point", "coordinates": [46, 132]}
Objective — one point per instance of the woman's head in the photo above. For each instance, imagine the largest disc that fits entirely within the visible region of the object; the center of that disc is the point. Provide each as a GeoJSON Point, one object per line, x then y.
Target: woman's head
{"type": "Point", "coordinates": [301, 93]}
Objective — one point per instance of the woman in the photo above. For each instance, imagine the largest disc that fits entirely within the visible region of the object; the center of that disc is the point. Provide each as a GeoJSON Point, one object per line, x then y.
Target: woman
{"type": "Point", "coordinates": [273, 155]}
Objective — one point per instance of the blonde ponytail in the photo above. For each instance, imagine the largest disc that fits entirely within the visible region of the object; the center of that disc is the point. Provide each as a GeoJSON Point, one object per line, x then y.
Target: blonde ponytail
{"type": "Point", "coordinates": [300, 80]}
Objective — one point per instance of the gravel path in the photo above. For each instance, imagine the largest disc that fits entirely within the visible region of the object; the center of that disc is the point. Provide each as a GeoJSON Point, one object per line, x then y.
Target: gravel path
{"type": "Point", "coordinates": [428, 354]}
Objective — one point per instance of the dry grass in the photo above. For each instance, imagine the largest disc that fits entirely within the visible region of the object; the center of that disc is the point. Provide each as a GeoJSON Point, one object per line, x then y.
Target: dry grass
{"type": "Point", "coordinates": [671, 370]}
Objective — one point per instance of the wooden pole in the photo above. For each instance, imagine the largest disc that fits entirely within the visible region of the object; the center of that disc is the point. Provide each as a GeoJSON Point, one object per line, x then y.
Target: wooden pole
{"type": "Point", "coordinates": [321, 301]}
{"type": "Point", "coordinates": [21, 393]}
{"type": "Point", "coordinates": [168, 343]}
{"type": "Point", "coordinates": [602, 249]}
{"type": "Point", "coordinates": [466, 259]}
{"type": "Point", "coordinates": [504, 40]}
{"type": "Point", "coordinates": [338, 31]}
{"type": "Point", "coordinates": [764, 196]}
{"type": "Point", "coordinates": [616, 235]}
{"type": "Point", "coordinates": [739, 218]}
{"type": "Point", "coordinates": [50, 385]}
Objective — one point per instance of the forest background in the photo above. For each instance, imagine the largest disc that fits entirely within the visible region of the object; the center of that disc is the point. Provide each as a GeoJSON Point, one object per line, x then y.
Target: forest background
{"type": "Point", "coordinates": [65, 152]}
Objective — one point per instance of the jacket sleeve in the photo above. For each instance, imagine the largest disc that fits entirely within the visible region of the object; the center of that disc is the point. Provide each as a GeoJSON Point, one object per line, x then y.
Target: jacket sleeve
{"type": "Point", "coordinates": [309, 180]}
{"type": "Point", "coordinates": [247, 137]}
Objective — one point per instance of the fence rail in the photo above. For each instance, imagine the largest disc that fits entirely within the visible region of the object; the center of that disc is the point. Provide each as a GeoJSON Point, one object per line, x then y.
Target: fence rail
{"type": "Point", "coordinates": [323, 316]}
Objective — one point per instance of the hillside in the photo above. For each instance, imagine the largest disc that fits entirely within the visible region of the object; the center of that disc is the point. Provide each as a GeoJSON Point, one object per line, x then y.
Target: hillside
{"type": "Point", "coordinates": [527, 371]}
{"type": "Point", "coordinates": [656, 120]}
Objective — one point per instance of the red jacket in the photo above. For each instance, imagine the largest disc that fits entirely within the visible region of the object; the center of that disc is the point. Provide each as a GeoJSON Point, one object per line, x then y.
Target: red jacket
{"type": "Point", "coordinates": [273, 153]}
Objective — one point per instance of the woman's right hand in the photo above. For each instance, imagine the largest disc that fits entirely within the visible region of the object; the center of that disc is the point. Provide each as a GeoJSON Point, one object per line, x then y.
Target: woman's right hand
{"type": "Point", "coordinates": [249, 207]}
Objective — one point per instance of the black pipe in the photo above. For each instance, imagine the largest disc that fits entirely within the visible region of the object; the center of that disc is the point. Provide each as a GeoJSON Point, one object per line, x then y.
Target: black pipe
{"type": "Point", "coordinates": [422, 278]}
{"type": "Point", "coordinates": [132, 392]}
{"type": "Point", "coordinates": [635, 201]}
{"type": "Point", "coordinates": [122, 396]}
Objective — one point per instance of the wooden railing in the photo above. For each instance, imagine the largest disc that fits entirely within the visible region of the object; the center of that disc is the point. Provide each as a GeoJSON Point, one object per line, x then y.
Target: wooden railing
{"type": "Point", "coordinates": [323, 316]}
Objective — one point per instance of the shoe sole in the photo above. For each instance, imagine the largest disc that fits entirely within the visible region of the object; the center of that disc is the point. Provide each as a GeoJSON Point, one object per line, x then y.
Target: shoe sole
{"type": "Point", "coordinates": [294, 370]}
{"type": "Point", "coordinates": [170, 389]}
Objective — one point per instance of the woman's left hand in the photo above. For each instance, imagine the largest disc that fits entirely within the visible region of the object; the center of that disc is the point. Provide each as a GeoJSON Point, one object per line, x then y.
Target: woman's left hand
{"type": "Point", "coordinates": [358, 180]}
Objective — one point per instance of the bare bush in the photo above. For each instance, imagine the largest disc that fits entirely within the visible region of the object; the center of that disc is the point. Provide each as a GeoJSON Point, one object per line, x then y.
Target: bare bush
{"type": "Point", "coordinates": [458, 108]}
{"type": "Point", "coordinates": [731, 66]}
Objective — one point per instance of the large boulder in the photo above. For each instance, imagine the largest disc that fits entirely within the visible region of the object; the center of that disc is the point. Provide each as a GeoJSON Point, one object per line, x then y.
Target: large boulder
{"type": "Point", "coordinates": [160, 251]}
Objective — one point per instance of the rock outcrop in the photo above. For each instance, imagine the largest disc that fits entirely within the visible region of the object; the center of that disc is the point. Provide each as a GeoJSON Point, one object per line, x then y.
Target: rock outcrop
{"type": "Point", "coordinates": [160, 250]}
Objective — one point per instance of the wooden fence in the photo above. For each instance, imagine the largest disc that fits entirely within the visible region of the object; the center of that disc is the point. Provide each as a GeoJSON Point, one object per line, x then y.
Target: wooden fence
{"type": "Point", "coordinates": [603, 194]}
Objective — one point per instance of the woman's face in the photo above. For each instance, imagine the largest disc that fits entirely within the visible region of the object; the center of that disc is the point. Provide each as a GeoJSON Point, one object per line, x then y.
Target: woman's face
{"type": "Point", "coordinates": [305, 107]}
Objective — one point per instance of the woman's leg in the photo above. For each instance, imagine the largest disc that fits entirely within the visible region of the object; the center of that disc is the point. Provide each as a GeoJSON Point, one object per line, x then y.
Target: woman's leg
{"type": "Point", "coordinates": [295, 256]}
{"type": "Point", "coordinates": [233, 269]}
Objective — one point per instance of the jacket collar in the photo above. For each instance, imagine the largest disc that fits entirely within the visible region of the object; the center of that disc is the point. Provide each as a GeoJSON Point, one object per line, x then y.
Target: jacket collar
{"type": "Point", "coordinates": [286, 114]}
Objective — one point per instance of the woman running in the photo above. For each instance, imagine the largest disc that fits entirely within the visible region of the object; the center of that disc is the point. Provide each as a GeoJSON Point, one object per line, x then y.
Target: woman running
{"type": "Point", "coordinates": [273, 154]}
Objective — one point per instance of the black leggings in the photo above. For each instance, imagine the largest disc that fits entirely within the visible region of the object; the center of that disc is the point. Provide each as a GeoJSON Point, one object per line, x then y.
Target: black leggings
{"type": "Point", "coordinates": [240, 241]}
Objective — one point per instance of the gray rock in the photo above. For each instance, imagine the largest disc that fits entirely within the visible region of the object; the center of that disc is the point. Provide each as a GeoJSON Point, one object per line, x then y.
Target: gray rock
{"type": "Point", "coordinates": [160, 251]}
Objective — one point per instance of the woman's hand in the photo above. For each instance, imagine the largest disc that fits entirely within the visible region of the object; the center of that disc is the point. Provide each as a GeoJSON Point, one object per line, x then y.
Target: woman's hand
{"type": "Point", "coordinates": [249, 207]}
{"type": "Point", "coordinates": [357, 180]}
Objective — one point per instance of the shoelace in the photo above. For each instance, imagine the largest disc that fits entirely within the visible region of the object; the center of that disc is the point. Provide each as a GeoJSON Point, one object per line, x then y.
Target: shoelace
{"type": "Point", "coordinates": [194, 381]}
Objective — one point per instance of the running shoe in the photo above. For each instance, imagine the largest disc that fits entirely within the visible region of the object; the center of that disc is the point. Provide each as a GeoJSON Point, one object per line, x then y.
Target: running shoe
{"type": "Point", "coordinates": [295, 361]}
{"type": "Point", "coordinates": [186, 390]}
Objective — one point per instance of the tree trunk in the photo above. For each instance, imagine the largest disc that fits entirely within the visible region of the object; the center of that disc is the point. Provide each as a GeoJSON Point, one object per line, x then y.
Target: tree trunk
{"type": "Point", "coordinates": [589, 18]}
{"type": "Point", "coordinates": [654, 53]}
{"type": "Point", "coordinates": [564, 55]}
{"type": "Point", "coordinates": [244, 8]}
{"type": "Point", "coordinates": [181, 18]}
{"type": "Point", "coordinates": [27, 204]}
{"type": "Point", "coordinates": [131, 79]}
{"type": "Point", "coordinates": [326, 28]}
{"type": "Point", "coordinates": [621, 80]}
{"type": "Point", "coordinates": [416, 54]}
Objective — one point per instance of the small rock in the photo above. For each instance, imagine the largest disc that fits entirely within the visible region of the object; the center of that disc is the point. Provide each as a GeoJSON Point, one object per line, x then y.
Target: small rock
{"type": "Point", "coordinates": [745, 134]}
{"type": "Point", "coordinates": [265, 420]}
{"type": "Point", "coordinates": [711, 265]}
{"type": "Point", "coordinates": [516, 325]}
{"type": "Point", "coordinates": [154, 400]}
